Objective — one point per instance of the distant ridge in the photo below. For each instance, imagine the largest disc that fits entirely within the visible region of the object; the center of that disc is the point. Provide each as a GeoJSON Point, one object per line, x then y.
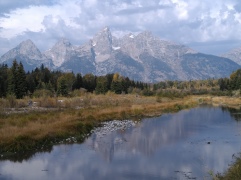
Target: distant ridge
{"type": "Point", "coordinates": [234, 55]}
{"type": "Point", "coordinates": [142, 57]}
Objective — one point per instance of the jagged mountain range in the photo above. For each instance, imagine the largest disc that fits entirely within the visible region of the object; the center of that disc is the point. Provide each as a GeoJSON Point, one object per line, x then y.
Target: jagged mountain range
{"type": "Point", "coordinates": [143, 57]}
{"type": "Point", "coordinates": [234, 55]}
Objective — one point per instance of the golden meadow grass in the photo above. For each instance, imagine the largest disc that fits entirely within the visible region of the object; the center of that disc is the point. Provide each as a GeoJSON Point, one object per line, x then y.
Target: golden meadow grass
{"type": "Point", "coordinates": [62, 116]}
{"type": "Point", "coordinates": [56, 118]}
{"type": "Point", "coordinates": [27, 129]}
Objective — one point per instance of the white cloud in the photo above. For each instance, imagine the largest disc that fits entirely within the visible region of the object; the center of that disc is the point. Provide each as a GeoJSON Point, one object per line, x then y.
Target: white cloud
{"type": "Point", "coordinates": [31, 18]}
{"type": "Point", "coordinates": [183, 21]}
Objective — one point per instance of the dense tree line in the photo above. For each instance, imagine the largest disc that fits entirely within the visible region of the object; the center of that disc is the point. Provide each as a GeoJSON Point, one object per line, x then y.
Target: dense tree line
{"type": "Point", "coordinates": [231, 83]}
{"type": "Point", "coordinates": [182, 88]}
{"type": "Point", "coordinates": [41, 81]}
{"type": "Point", "coordinates": [222, 86]}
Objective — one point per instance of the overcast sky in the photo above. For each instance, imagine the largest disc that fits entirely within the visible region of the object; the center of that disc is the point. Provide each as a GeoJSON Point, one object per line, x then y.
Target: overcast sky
{"type": "Point", "coordinates": [208, 26]}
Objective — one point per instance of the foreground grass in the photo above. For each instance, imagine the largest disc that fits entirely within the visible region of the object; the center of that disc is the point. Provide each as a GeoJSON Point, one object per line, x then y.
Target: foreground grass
{"type": "Point", "coordinates": [31, 130]}
{"type": "Point", "coordinates": [35, 129]}
{"type": "Point", "coordinates": [233, 173]}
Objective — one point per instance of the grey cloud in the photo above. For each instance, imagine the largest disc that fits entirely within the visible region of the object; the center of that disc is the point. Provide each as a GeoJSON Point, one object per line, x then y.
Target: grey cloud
{"type": "Point", "coordinates": [7, 5]}
{"type": "Point", "coordinates": [215, 47]}
{"type": "Point", "coordinates": [195, 24]}
{"type": "Point", "coordinates": [138, 10]}
{"type": "Point", "coordinates": [45, 39]}
{"type": "Point", "coordinates": [7, 44]}
{"type": "Point", "coordinates": [55, 31]}
{"type": "Point", "coordinates": [237, 7]}
{"type": "Point", "coordinates": [199, 24]}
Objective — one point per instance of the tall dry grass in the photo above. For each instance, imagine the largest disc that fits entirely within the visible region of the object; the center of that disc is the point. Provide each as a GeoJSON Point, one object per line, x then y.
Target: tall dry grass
{"type": "Point", "coordinates": [51, 117]}
{"type": "Point", "coordinates": [74, 116]}
{"type": "Point", "coordinates": [39, 125]}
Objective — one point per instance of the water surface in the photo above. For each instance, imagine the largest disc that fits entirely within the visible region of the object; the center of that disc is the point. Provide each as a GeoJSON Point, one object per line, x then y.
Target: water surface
{"type": "Point", "coordinates": [185, 145]}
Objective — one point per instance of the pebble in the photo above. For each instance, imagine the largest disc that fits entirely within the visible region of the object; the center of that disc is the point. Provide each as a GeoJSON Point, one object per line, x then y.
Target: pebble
{"type": "Point", "coordinates": [110, 126]}
{"type": "Point", "coordinates": [68, 140]}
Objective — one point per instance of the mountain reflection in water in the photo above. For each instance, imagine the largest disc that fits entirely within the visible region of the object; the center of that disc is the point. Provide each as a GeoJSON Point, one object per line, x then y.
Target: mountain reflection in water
{"type": "Point", "coordinates": [187, 144]}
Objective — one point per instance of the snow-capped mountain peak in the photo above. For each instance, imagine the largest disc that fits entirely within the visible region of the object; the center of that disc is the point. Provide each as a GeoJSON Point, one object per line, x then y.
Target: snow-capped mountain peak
{"type": "Point", "coordinates": [60, 51]}
{"type": "Point", "coordinates": [25, 48]}
{"type": "Point", "coordinates": [234, 55]}
{"type": "Point", "coordinates": [142, 57]}
{"type": "Point", "coordinates": [102, 44]}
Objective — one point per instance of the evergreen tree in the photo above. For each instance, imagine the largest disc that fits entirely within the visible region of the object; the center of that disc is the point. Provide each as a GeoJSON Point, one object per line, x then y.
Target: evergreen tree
{"type": "Point", "coordinates": [46, 74]}
{"type": "Point", "coordinates": [89, 82]}
{"type": "Point", "coordinates": [78, 83]}
{"type": "Point", "coordinates": [124, 85]}
{"type": "Point", "coordinates": [21, 85]}
{"type": "Point", "coordinates": [70, 79]}
{"type": "Point", "coordinates": [3, 80]}
{"type": "Point", "coordinates": [109, 80]}
{"type": "Point", "coordinates": [54, 79]}
{"type": "Point", "coordinates": [12, 78]}
{"type": "Point", "coordinates": [17, 80]}
{"type": "Point", "coordinates": [62, 87]}
{"type": "Point", "coordinates": [116, 85]}
{"type": "Point", "coordinates": [101, 85]}
{"type": "Point", "coordinates": [31, 85]}
{"type": "Point", "coordinates": [65, 83]}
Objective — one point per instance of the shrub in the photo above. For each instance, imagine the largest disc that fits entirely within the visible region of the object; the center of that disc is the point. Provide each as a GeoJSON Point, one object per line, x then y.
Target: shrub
{"type": "Point", "coordinates": [78, 92]}
{"type": "Point", "coordinates": [172, 94]}
{"type": "Point", "coordinates": [47, 102]}
{"type": "Point", "coordinates": [12, 102]}
{"type": "Point", "coordinates": [147, 92]}
{"type": "Point", "coordinates": [43, 93]}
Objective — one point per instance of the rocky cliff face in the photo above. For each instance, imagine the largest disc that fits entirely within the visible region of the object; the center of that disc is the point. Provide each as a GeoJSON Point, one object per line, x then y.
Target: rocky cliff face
{"type": "Point", "coordinates": [142, 57]}
{"type": "Point", "coordinates": [60, 52]}
{"type": "Point", "coordinates": [160, 59]}
{"type": "Point", "coordinates": [234, 55]}
{"type": "Point", "coordinates": [28, 54]}
{"type": "Point", "coordinates": [26, 48]}
{"type": "Point", "coordinates": [102, 45]}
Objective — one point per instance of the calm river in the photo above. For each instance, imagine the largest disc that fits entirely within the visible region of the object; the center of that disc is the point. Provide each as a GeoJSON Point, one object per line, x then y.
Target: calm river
{"type": "Point", "coordinates": [186, 145]}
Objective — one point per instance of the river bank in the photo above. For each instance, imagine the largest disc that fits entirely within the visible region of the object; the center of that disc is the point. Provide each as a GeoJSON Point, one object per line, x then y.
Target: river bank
{"type": "Point", "coordinates": [30, 128]}
{"type": "Point", "coordinates": [26, 130]}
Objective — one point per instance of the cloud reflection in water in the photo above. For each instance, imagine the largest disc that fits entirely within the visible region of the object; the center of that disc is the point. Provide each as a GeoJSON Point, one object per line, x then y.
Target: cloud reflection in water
{"type": "Point", "coordinates": [170, 146]}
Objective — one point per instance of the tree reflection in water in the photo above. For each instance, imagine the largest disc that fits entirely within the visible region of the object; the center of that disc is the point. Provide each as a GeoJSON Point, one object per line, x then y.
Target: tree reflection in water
{"type": "Point", "coordinates": [189, 143]}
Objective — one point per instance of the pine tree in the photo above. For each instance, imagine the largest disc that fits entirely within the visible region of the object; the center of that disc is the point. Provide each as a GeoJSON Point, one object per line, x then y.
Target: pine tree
{"type": "Point", "coordinates": [78, 83]}
{"type": "Point", "coordinates": [101, 85]}
{"type": "Point", "coordinates": [21, 84]}
{"type": "Point", "coordinates": [12, 78]}
{"type": "Point", "coordinates": [31, 85]}
{"type": "Point", "coordinates": [62, 86]}
{"type": "Point", "coordinates": [89, 82]}
{"type": "Point", "coordinates": [116, 85]}
{"type": "Point", "coordinates": [17, 84]}
{"type": "Point", "coordinates": [109, 80]}
{"type": "Point", "coordinates": [3, 80]}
